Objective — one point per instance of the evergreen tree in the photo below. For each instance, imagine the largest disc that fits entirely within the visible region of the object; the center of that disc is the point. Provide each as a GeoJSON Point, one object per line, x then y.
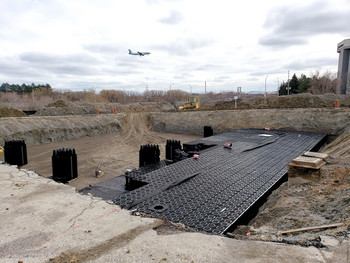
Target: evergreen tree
{"type": "Point", "coordinates": [304, 84]}
{"type": "Point", "coordinates": [5, 87]}
{"type": "Point", "coordinates": [282, 89]}
{"type": "Point", "coordinates": [24, 88]}
{"type": "Point", "coordinates": [294, 85]}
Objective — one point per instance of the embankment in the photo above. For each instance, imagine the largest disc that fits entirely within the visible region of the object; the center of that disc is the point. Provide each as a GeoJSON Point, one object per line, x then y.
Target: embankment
{"type": "Point", "coordinates": [36, 130]}
{"type": "Point", "coordinates": [332, 121]}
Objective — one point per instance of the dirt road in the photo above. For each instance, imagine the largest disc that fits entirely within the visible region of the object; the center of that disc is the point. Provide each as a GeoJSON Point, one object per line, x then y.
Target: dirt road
{"type": "Point", "coordinates": [115, 152]}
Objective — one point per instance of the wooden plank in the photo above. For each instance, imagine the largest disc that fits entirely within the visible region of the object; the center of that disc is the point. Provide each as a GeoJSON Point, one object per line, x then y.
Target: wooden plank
{"type": "Point", "coordinates": [309, 228]}
{"type": "Point", "coordinates": [322, 156]}
{"type": "Point", "coordinates": [307, 162]}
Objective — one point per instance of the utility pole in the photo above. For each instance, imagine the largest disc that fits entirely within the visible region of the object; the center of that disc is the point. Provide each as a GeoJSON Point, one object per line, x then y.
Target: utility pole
{"type": "Point", "coordinates": [288, 88]}
{"type": "Point", "coordinates": [205, 87]}
{"type": "Point", "coordinates": [239, 90]}
{"type": "Point", "coordinates": [265, 85]}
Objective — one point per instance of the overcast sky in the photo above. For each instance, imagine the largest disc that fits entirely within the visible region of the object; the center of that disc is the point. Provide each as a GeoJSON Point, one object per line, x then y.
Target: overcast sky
{"type": "Point", "coordinates": [83, 44]}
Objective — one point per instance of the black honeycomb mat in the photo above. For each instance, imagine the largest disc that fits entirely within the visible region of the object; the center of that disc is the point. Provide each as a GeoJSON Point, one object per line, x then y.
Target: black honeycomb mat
{"type": "Point", "coordinates": [212, 192]}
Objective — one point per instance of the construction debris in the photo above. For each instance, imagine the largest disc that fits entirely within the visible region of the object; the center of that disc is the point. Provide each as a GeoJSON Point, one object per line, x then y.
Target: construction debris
{"type": "Point", "coordinates": [308, 162]}
{"type": "Point", "coordinates": [312, 228]}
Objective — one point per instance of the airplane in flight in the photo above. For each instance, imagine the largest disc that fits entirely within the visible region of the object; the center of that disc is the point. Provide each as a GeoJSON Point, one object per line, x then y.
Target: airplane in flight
{"type": "Point", "coordinates": [138, 53]}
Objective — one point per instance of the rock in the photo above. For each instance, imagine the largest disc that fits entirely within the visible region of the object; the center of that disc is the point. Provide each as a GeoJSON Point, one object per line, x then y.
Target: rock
{"type": "Point", "coordinates": [329, 241]}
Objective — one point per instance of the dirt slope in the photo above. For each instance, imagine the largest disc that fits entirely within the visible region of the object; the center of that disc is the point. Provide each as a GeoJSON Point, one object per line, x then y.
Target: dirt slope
{"type": "Point", "coordinates": [60, 108]}
{"type": "Point", "coordinates": [333, 121]}
{"type": "Point", "coordinates": [10, 112]}
{"type": "Point", "coordinates": [36, 130]}
{"type": "Point", "coordinates": [115, 152]}
{"type": "Point", "coordinates": [340, 147]}
{"type": "Point", "coordinates": [304, 100]}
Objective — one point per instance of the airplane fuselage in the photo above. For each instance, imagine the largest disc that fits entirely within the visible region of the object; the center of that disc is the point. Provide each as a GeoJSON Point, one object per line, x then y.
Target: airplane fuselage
{"type": "Point", "coordinates": [138, 53]}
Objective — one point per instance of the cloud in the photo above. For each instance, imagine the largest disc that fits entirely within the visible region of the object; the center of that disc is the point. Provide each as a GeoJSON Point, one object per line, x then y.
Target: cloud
{"type": "Point", "coordinates": [222, 78]}
{"type": "Point", "coordinates": [290, 26]}
{"type": "Point", "coordinates": [314, 63]}
{"type": "Point", "coordinates": [253, 79]}
{"type": "Point", "coordinates": [104, 48]}
{"type": "Point", "coordinates": [10, 66]}
{"type": "Point", "coordinates": [184, 76]}
{"type": "Point", "coordinates": [183, 47]}
{"type": "Point", "coordinates": [281, 40]}
{"type": "Point", "coordinates": [261, 73]}
{"type": "Point", "coordinates": [46, 58]}
{"type": "Point", "coordinates": [174, 18]}
{"type": "Point", "coordinates": [75, 64]}
{"type": "Point", "coordinates": [207, 67]}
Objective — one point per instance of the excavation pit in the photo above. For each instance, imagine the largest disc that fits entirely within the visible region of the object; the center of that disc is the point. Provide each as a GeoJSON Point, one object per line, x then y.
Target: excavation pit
{"type": "Point", "coordinates": [216, 191]}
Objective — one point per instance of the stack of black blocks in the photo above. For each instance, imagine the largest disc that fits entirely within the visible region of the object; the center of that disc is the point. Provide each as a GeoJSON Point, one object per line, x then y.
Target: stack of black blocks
{"type": "Point", "coordinates": [208, 131]}
{"type": "Point", "coordinates": [149, 154]}
{"type": "Point", "coordinates": [64, 165]}
{"type": "Point", "coordinates": [170, 149]}
{"type": "Point", "coordinates": [16, 152]}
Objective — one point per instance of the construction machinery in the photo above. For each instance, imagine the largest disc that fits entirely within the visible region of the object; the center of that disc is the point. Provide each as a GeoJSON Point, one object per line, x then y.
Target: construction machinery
{"type": "Point", "coordinates": [193, 103]}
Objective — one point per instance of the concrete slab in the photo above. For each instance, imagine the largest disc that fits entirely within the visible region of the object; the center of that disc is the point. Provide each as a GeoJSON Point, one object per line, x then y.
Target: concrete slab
{"type": "Point", "coordinates": [45, 221]}
{"type": "Point", "coordinates": [322, 156]}
{"type": "Point", "coordinates": [308, 162]}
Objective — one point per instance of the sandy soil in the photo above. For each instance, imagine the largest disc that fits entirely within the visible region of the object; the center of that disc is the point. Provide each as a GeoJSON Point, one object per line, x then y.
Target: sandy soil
{"type": "Point", "coordinates": [115, 152]}
{"type": "Point", "coordinates": [323, 202]}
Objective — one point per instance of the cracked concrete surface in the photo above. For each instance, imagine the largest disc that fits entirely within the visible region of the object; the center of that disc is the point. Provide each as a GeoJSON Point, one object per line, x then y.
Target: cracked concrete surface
{"type": "Point", "coordinates": [45, 221]}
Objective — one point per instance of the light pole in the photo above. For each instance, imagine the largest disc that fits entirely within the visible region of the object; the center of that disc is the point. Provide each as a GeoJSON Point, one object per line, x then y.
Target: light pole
{"type": "Point", "coordinates": [265, 85]}
{"type": "Point", "coordinates": [171, 85]}
{"type": "Point", "coordinates": [123, 95]}
{"type": "Point", "coordinates": [190, 89]}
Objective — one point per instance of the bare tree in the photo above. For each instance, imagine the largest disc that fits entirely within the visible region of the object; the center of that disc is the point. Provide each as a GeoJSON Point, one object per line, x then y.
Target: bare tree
{"type": "Point", "coordinates": [325, 83]}
{"type": "Point", "coordinates": [113, 95]}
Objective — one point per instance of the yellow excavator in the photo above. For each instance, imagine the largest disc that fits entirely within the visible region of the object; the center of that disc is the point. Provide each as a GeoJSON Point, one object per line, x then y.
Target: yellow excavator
{"type": "Point", "coordinates": [2, 157]}
{"type": "Point", "coordinates": [193, 103]}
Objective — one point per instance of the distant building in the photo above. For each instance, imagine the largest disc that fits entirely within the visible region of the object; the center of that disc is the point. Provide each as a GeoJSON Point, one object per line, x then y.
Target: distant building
{"type": "Point", "coordinates": [256, 92]}
{"type": "Point", "coordinates": [343, 81]}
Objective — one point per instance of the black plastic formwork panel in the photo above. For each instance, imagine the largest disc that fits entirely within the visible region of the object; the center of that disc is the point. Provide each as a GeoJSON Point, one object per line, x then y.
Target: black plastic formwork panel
{"type": "Point", "coordinates": [64, 165]}
{"type": "Point", "coordinates": [15, 152]}
{"type": "Point", "coordinates": [212, 192]}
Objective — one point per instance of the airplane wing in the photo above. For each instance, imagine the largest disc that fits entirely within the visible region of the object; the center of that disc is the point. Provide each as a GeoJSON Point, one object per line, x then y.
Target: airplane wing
{"type": "Point", "coordinates": [140, 53]}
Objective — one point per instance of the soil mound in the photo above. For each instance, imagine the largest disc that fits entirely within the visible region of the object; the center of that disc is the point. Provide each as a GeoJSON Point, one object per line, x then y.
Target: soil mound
{"type": "Point", "coordinates": [10, 112]}
{"type": "Point", "coordinates": [60, 108]}
{"type": "Point", "coordinates": [57, 104]}
{"type": "Point", "coordinates": [283, 102]}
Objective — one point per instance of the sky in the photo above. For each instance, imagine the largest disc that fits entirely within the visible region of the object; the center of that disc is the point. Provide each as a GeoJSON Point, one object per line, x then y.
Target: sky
{"type": "Point", "coordinates": [195, 46]}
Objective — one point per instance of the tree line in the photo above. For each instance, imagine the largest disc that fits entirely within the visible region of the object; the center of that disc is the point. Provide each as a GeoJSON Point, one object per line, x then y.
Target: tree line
{"type": "Point", "coordinates": [316, 84]}
{"type": "Point", "coordinates": [24, 88]}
